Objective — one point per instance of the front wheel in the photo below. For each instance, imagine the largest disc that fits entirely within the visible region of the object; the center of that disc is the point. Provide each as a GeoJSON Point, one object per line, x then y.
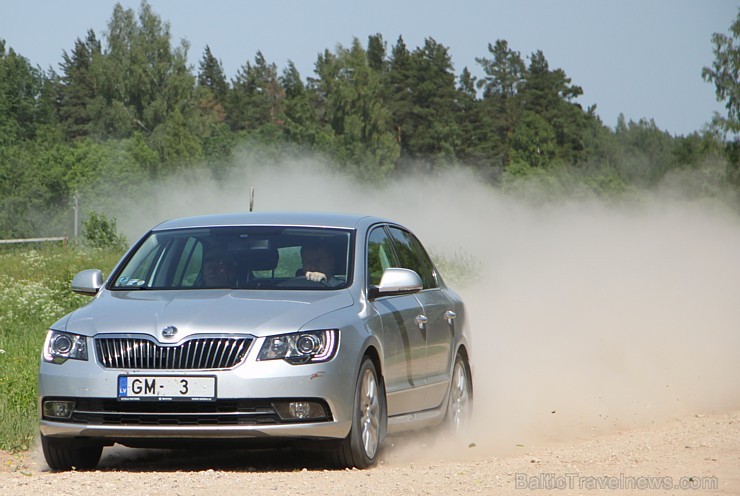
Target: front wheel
{"type": "Point", "coordinates": [69, 454]}
{"type": "Point", "coordinates": [460, 404]}
{"type": "Point", "coordinates": [369, 418]}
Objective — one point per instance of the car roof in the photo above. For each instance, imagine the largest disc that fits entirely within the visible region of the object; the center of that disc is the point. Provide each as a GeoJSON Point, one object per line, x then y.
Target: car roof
{"type": "Point", "coordinates": [283, 218]}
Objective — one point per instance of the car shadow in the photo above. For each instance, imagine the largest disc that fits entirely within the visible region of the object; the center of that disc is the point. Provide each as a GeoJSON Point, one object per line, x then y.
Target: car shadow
{"type": "Point", "coordinates": [119, 458]}
{"type": "Point", "coordinates": [396, 448]}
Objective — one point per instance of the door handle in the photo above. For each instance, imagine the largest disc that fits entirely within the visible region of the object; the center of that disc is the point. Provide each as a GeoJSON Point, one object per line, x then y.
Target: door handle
{"type": "Point", "coordinates": [421, 320]}
{"type": "Point", "coordinates": [450, 316]}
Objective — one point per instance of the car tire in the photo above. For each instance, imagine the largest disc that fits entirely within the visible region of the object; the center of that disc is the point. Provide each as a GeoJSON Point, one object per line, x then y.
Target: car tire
{"type": "Point", "coordinates": [460, 401]}
{"type": "Point", "coordinates": [361, 447]}
{"type": "Point", "coordinates": [69, 454]}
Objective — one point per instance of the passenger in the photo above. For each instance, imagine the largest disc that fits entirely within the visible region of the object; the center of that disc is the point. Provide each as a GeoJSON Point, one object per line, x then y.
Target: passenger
{"type": "Point", "coordinates": [318, 265]}
{"type": "Point", "coordinates": [218, 269]}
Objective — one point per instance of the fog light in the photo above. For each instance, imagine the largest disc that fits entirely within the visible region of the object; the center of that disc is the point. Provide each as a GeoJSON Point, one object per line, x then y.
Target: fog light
{"type": "Point", "coordinates": [59, 409]}
{"type": "Point", "coordinates": [300, 410]}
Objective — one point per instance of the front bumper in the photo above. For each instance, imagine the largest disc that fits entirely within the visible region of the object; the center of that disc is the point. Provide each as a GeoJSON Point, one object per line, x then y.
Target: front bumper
{"type": "Point", "coordinates": [122, 434]}
{"type": "Point", "coordinates": [242, 411]}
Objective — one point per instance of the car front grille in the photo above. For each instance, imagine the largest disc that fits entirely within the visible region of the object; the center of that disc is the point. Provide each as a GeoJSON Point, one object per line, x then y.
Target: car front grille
{"type": "Point", "coordinates": [192, 354]}
{"type": "Point", "coordinates": [104, 411]}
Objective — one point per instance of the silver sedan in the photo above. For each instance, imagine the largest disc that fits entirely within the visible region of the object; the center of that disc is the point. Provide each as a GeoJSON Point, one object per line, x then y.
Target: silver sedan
{"type": "Point", "coordinates": [327, 330]}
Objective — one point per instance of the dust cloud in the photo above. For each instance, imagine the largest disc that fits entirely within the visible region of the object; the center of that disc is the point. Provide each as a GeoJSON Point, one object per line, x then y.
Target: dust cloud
{"type": "Point", "coordinates": [586, 316]}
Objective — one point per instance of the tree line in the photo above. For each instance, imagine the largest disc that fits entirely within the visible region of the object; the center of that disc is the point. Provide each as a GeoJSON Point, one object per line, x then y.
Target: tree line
{"type": "Point", "coordinates": [126, 106]}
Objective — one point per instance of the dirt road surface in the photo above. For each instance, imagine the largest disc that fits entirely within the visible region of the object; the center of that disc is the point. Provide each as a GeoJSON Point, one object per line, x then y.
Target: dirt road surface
{"type": "Point", "coordinates": [693, 455]}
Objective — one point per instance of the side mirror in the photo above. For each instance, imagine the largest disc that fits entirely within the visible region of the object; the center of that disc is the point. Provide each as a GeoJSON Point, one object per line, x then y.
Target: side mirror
{"type": "Point", "coordinates": [397, 281]}
{"type": "Point", "coordinates": [88, 282]}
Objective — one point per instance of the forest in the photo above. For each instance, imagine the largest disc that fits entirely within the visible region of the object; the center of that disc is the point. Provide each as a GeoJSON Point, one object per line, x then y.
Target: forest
{"type": "Point", "coordinates": [125, 107]}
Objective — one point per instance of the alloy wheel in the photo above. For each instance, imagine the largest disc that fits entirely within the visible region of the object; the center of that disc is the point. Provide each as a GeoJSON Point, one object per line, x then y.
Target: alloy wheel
{"type": "Point", "coordinates": [369, 413]}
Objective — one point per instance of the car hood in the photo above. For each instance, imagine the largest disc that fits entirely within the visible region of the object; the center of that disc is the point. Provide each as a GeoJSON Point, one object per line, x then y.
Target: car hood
{"type": "Point", "coordinates": [202, 311]}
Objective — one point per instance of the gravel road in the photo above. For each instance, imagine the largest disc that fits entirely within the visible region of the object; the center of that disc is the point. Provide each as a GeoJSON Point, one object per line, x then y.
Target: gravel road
{"type": "Point", "coordinates": [698, 454]}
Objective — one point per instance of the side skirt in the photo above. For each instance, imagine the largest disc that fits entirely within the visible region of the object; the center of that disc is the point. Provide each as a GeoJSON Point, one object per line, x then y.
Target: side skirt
{"type": "Point", "coordinates": [416, 420]}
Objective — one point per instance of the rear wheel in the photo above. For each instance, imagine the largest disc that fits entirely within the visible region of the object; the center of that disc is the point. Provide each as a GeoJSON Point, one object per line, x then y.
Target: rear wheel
{"type": "Point", "coordinates": [460, 404]}
{"type": "Point", "coordinates": [68, 454]}
{"type": "Point", "coordinates": [369, 418]}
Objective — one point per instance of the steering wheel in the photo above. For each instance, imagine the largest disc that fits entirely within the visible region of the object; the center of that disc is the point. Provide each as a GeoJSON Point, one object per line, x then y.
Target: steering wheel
{"type": "Point", "coordinates": [304, 282]}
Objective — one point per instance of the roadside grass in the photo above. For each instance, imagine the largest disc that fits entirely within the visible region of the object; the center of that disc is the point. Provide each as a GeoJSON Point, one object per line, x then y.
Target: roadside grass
{"type": "Point", "coordinates": [34, 293]}
{"type": "Point", "coordinates": [458, 269]}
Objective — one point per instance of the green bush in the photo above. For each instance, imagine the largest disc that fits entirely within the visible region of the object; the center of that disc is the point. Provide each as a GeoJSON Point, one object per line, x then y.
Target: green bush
{"type": "Point", "coordinates": [101, 232]}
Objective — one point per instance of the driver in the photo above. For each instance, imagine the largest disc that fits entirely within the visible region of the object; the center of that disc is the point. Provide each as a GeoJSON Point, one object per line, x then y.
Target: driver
{"type": "Point", "coordinates": [218, 269]}
{"type": "Point", "coordinates": [318, 264]}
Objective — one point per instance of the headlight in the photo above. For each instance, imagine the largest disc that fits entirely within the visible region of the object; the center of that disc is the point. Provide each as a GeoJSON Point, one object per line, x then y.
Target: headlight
{"type": "Point", "coordinates": [61, 346]}
{"type": "Point", "coordinates": [301, 347]}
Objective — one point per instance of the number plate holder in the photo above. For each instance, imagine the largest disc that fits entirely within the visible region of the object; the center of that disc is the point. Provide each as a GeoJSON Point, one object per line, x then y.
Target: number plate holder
{"type": "Point", "coordinates": [166, 388]}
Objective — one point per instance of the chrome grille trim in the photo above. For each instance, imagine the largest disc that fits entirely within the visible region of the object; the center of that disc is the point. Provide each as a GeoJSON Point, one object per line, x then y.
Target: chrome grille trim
{"type": "Point", "coordinates": [193, 353]}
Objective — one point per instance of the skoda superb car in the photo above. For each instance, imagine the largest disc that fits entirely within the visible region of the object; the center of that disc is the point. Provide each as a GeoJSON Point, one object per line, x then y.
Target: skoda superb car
{"type": "Point", "coordinates": [321, 329]}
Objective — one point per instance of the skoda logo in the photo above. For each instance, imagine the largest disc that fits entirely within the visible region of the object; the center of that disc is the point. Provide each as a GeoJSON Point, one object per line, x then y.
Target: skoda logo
{"type": "Point", "coordinates": [169, 332]}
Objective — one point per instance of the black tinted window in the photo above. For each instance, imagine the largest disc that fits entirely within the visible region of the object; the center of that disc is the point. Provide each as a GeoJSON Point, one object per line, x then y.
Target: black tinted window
{"type": "Point", "coordinates": [239, 257]}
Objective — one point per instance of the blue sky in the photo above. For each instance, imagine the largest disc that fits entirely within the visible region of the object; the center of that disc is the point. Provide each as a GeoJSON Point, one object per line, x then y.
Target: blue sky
{"type": "Point", "coordinates": [642, 58]}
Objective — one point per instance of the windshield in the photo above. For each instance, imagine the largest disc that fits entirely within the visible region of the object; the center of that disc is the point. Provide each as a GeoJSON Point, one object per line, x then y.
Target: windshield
{"type": "Point", "coordinates": [241, 258]}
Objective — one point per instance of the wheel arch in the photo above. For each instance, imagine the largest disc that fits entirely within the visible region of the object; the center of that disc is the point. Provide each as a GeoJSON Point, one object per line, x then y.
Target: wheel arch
{"type": "Point", "coordinates": [372, 353]}
{"type": "Point", "coordinates": [462, 350]}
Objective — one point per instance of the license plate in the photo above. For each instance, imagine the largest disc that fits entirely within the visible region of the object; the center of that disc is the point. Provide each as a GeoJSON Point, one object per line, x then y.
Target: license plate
{"type": "Point", "coordinates": [166, 388]}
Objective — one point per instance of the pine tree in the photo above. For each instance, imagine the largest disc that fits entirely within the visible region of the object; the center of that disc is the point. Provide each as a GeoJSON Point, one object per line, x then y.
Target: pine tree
{"type": "Point", "coordinates": [211, 76]}
{"type": "Point", "coordinates": [398, 89]}
{"type": "Point", "coordinates": [504, 76]}
{"type": "Point", "coordinates": [433, 96]}
{"type": "Point", "coordinates": [550, 95]}
{"type": "Point", "coordinates": [376, 53]}
{"type": "Point", "coordinates": [77, 86]}
{"type": "Point", "coordinates": [302, 125]}
{"type": "Point", "coordinates": [257, 96]}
